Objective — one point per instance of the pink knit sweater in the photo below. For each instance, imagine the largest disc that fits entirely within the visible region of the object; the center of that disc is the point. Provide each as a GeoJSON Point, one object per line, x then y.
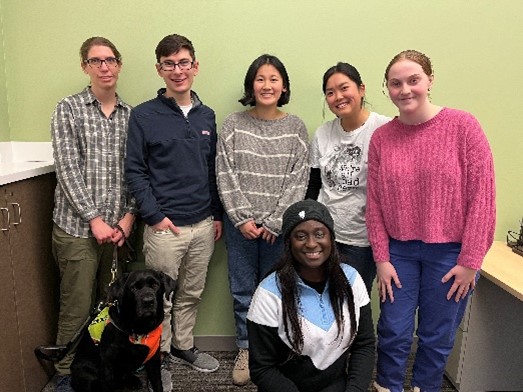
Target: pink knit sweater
{"type": "Point", "coordinates": [432, 182]}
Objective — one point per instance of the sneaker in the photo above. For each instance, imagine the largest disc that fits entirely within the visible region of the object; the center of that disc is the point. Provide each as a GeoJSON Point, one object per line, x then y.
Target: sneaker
{"type": "Point", "coordinates": [193, 357]}
{"type": "Point", "coordinates": [63, 384]}
{"type": "Point", "coordinates": [240, 372]}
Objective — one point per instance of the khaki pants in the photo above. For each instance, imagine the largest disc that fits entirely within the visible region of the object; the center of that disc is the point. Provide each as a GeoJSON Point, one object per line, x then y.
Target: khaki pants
{"type": "Point", "coordinates": [184, 257]}
{"type": "Point", "coordinates": [82, 283]}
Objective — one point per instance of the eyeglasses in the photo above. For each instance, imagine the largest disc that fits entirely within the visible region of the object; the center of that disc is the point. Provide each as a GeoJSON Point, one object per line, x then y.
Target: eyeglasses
{"type": "Point", "coordinates": [184, 65]}
{"type": "Point", "coordinates": [96, 62]}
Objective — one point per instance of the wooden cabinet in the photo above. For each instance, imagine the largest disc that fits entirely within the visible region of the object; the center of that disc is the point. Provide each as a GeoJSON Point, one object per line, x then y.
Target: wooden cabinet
{"type": "Point", "coordinates": [30, 285]}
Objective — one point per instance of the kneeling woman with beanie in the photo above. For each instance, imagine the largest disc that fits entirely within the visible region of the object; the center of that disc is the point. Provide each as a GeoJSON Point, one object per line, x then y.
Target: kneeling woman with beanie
{"type": "Point", "coordinates": [310, 323]}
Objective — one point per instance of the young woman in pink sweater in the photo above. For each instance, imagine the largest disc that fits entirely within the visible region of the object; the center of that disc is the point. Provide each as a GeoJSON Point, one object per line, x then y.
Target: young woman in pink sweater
{"type": "Point", "coordinates": [430, 218]}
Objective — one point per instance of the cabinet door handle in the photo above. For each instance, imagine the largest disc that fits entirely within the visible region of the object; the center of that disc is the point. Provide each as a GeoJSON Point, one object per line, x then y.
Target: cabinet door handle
{"type": "Point", "coordinates": [5, 222]}
{"type": "Point", "coordinates": [17, 212]}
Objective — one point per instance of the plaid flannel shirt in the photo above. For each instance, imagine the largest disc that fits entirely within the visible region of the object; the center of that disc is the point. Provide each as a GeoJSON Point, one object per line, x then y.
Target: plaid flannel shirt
{"type": "Point", "coordinates": [89, 152]}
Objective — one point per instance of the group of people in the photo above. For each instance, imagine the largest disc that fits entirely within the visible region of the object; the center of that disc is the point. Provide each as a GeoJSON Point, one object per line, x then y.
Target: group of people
{"type": "Point", "coordinates": [307, 227]}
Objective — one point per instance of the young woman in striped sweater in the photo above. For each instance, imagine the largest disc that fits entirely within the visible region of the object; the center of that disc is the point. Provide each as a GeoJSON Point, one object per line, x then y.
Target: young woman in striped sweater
{"type": "Point", "coordinates": [261, 169]}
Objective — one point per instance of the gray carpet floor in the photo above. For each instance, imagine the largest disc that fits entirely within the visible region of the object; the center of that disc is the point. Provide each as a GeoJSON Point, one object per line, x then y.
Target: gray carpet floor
{"type": "Point", "coordinates": [186, 379]}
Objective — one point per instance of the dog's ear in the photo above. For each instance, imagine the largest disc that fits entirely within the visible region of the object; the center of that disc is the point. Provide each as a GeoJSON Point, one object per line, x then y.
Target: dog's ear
{"type": "Point", "coordinates": [115, 291]}
{"type": "Point", "coordinates": [169, 284]}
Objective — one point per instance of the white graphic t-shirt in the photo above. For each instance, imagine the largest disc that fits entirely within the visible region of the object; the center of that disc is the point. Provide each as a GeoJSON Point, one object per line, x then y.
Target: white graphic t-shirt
{"type": "Point", "coordinates": [342, 158]}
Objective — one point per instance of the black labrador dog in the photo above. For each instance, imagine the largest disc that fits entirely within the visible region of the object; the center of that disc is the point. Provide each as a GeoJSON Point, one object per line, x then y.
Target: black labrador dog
{"type": "Point", "coordinates": [135, 318]}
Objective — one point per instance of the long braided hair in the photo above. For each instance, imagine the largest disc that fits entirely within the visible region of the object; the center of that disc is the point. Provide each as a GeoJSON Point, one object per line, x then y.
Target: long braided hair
{"type": "Point", "coordinates": [339, 292]}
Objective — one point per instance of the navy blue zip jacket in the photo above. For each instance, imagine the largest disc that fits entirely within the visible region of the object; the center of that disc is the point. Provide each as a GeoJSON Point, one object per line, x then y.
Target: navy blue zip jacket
{"type": "Point", "coordinates": [170, 162]}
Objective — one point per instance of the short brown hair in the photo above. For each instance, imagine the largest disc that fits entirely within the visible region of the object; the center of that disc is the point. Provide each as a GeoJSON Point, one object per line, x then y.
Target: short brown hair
{"type": "Point", "coordinates": [173, 43]}
{"type": "Point", "coordinates": [98, 41]}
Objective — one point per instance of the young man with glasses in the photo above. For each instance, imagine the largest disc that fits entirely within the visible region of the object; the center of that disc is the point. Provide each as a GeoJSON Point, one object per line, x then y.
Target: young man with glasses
{"type": "Point", "coordinates": [93, 210]}
{"type": "Point", "coordinates": [170, 170]}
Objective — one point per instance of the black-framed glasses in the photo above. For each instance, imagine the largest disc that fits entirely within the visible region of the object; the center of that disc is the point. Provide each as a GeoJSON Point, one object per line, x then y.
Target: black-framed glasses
{"type": "Point", "coordinates": [184, 65]}
{"type": "Point", "coordinates": [96, 62]}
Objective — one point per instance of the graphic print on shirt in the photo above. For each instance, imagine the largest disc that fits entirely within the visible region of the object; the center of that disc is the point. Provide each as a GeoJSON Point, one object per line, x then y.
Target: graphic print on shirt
{"type": "Point", "coordinates": [343, 167]}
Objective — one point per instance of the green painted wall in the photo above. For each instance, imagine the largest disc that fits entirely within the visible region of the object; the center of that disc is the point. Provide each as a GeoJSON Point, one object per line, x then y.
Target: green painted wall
{"type": "Point", "coordinates": [4, 114]}
{"type": "Point", "coordinates": [473, 46]}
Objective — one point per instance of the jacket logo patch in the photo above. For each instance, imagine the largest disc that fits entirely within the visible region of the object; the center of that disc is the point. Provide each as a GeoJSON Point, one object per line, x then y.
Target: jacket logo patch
{"type": "Point", "coordinates": [205, 132]}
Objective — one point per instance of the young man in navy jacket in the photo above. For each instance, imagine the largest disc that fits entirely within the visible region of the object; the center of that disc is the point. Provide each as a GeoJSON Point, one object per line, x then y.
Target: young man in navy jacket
{"type": "Point", "coordinates": [170, 170]}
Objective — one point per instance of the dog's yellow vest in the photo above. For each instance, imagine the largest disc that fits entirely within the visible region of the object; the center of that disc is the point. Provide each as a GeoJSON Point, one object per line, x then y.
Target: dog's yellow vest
{"type": "Point", "coordinates": [151, 340]}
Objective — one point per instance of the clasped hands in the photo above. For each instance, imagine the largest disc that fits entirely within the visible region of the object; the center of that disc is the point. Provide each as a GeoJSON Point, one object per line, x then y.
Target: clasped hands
{"type": "Point", "coordinates": [250, 231]}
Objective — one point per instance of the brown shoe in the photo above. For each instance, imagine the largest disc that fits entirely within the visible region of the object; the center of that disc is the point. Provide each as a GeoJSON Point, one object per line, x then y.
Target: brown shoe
{"type": "Point", "coordinates": [240, 372]}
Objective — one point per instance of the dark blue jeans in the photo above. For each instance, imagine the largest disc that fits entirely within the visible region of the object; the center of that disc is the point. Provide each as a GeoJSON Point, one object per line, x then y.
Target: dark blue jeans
{"type": "Point", "coordinates": [359, 257]}
{"type": "Point", "coordinates": [420, 267]}
{"type": "Point", "coordinates": [249, 261]}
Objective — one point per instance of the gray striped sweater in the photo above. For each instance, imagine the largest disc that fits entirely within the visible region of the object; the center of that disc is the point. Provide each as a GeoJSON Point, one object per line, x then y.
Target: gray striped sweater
{"type": "Point", "coordinates": [262, 167]}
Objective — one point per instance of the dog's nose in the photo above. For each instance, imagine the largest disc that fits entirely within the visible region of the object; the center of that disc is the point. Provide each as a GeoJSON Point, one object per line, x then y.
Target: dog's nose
{"type": "Point", "coordinates": [148, 300]}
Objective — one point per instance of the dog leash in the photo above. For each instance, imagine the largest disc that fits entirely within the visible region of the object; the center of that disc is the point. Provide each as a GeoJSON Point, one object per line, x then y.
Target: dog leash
{"type": "Point", "coordinates": [58, 352]}
{"type": "Point", "coordinates": [114, 266]}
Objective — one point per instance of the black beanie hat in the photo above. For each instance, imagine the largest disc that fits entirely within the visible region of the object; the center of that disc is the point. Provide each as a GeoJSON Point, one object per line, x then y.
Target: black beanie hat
{"type": "Point", "coordinates": [303, 211]}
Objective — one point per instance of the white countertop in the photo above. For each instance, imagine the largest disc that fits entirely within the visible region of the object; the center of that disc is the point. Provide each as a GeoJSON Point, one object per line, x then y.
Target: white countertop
{"type": "Point", "coordinates": [22, 160]}
{"type": "Point", "coordinates": [17, 171]}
